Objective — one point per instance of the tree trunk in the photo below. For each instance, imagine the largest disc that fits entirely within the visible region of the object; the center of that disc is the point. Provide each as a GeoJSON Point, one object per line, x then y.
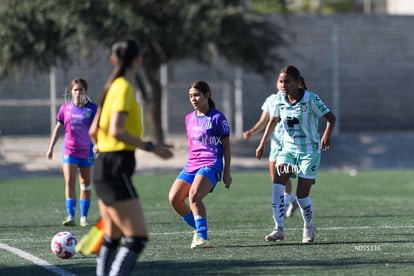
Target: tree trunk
{"type": "Point", "coordinates": [152, 103]}
{"type": "Point", "coordinates": [154, 108]}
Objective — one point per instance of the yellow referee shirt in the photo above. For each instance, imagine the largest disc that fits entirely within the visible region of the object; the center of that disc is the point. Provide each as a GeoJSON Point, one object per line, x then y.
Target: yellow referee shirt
{"type": "Point", "coordinates": [120, 98]}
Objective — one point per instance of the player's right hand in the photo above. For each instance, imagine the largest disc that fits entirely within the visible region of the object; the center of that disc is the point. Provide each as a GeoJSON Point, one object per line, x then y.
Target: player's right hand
{"type": "Point", "coordinates": [259, 152]}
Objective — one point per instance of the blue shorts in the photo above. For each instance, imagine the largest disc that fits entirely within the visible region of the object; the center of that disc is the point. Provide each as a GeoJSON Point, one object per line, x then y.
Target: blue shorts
{"type": "Point", "coordinates": [213, 175]}
{"type": "Point", "coordinates": [81, 162]}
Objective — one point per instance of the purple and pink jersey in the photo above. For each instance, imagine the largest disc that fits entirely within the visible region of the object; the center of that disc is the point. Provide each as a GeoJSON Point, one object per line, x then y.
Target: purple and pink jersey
{"type": "Point", "coordinates": [76, 121]}
{"type": "Point", "coordinates": [204, 134]}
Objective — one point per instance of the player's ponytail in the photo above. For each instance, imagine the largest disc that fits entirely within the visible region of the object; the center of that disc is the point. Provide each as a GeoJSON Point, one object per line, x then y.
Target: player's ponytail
{"type": "Point", "coordinates": [211, 103]}
{"type": "Point", "coordinates": [302, 83]}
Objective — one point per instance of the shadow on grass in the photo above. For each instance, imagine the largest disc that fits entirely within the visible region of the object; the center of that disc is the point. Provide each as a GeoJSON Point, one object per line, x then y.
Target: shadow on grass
{"type": "Point", "coordinates": [14, 170]}
{"type": "Point", "coordinates": [34, 270]}
{"type": "Point", "coordinates": [231, 267]}
{"type": "Point", "coordinates": [256, 267]}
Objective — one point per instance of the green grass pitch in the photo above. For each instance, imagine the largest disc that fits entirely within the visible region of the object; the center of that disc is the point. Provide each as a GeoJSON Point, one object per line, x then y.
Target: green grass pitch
{"type": "Point", "coordinates": [365, 227]}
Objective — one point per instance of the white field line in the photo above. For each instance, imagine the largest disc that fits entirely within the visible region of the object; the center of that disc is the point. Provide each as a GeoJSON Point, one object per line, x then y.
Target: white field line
{"type": "Point", "coordinates": [35, 260]}
{"type": "Point", "coordinates": [226, 231]}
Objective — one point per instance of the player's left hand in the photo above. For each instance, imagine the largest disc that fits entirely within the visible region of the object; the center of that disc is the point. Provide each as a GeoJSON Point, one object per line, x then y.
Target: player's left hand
{"type": "Point", "coordinates": [227, 179]}
{"type": "Point", "coordinates": [325, 143]}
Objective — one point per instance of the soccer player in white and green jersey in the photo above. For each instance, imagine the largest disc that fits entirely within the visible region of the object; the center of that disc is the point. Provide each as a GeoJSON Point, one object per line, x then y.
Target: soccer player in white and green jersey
{"type": "Point", "coordinates": [299, 111]}
{"type": "Point", "coordinates": [275, 146]}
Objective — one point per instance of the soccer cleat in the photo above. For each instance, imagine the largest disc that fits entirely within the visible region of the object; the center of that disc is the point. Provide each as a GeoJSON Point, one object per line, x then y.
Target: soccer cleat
{"type": "Point", "coordinates": [83, 222]}
{"type": "Point", "coordinates": [308, 234]}
{"type": "Point", "coordinates": [291, 208]}
{"type": "Point", "coordinates": [195, 235]}
{"type": "Point", "coordinates": [69, 221]}
{"type": "Point", "coordinates": [275, 236]}
{"type": "Point", "coordinates": [201, 243]}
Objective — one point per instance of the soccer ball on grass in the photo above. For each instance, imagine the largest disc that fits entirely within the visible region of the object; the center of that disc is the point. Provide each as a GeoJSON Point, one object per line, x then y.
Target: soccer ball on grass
{"type": "Point", "coordinates": [63, 245]}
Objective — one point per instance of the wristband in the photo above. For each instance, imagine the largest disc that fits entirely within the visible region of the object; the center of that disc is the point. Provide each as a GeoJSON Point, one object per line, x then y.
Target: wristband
{"type": "Point", "coordinates": [149, 146]}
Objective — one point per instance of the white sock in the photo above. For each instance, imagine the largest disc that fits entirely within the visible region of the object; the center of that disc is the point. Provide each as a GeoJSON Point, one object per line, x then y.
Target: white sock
{"type": "Point", "coordinates": [306, 209]}
{"type": "Point", "coordinates": [278, 204]}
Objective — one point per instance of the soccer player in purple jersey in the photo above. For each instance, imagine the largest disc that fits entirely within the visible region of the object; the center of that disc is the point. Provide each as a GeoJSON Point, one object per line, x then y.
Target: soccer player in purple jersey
{"type": "Point", "coordinates": [75, 117]}
{"type": "Point", "coordinates": [208, 135]}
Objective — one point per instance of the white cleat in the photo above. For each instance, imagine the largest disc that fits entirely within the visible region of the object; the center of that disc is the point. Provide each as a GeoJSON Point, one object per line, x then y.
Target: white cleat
{"type": "Point", "coordinates": [308, 234]}
{"type": "Point", "coordinates": [275, 236]}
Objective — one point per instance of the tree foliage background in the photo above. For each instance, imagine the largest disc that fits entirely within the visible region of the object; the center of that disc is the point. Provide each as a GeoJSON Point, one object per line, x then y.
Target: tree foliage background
{"type": "Point", "coordinates": [44, 33]}
{"type": "Point", "coordinates": [304, 6]}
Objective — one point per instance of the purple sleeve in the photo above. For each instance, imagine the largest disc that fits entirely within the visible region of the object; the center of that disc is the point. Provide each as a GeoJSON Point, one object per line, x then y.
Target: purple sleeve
{"type": "Point", "coordinates": [223, 127]}
{"type": "Point", "coordinates": [61, 114]}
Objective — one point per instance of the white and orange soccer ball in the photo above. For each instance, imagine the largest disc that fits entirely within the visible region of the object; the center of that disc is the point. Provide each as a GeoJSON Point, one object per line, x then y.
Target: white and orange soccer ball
{"type": "Point", "coordinates": [63, 245]}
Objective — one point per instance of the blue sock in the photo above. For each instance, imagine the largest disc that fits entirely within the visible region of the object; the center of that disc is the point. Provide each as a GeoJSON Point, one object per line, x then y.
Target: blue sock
{"type": "Point", "coordinates": [189, 219]}
{"type": "Point", "coordinates": [71, 207]}
{"type": "Point", "coordinates": [84, 207]}
{"type": "Point", "coordinates": [201, 224]}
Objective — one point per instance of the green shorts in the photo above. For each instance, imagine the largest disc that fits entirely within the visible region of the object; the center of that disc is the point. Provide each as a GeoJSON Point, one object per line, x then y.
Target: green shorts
{"type": "Point", "coordinates": [305, 165]}
{"type": "Point", "coordinates": [274, 152]}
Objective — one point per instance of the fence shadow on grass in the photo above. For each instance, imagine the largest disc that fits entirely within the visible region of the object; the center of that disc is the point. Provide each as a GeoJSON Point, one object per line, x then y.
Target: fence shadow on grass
{"type": "Point", "coordinates": [217, 267]}
{"type": "Point", "coordinates": [256, 267]}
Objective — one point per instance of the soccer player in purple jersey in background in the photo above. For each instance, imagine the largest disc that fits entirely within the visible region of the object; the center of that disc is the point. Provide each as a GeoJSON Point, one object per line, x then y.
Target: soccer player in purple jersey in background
{"type": "Point", "coordinates": [75, 117]}
{"type": "Point", "coordinates": [208, 135]}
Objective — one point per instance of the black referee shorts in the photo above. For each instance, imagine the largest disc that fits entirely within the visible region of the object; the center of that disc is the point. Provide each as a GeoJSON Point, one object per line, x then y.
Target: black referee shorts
{"type": "Point", "coordinates": [111, 176]}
